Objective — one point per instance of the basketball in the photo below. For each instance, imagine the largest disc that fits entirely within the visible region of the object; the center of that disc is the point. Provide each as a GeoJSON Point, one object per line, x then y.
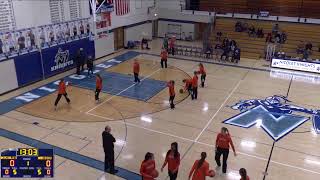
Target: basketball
{"type": "Point", "coordinates": [212, 173]}
{"type": "Point", "coordinates": [181, 91]}
{"type": "Point", "coordinates": [155, 174]}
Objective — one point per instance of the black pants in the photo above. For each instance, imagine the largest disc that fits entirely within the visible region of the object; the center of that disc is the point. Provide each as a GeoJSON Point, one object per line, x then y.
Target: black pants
{"type": "Point", "coordinates": [225, 154]}
{"type": "Point", "coordinates": [190, 90]}
{"type": "Point", "coordinates": [97, 94]}
{"type": "Point", "coordinates": [172, 176]}
{"type": "Point", "coordinates": [136, 77]}
{"type": "Point", "coordinates": [109, 161]}
{"type": "Point", "coordinates": [164, 61]}
{"type": "Point", "coordinates": [90, 70]}
{"type": "Point", "coordinates": [78, 69]}
{"type": "Point", "coordinates": [203, 79]}
{"type": "Point", "coordinates": [171, 102]}
{"type": "Point", "coordinates": [82, 67]}
{"type": "Point", "coordinates": [236, 59]}
{"type": "Point", "coordinates": [194, 93]}
{"type": "Point", "coordinates": [59, 97]}
{"type": "Point", "coordinates": [224, 55]}
{"type": "Point", "coordinates": [172, 51]}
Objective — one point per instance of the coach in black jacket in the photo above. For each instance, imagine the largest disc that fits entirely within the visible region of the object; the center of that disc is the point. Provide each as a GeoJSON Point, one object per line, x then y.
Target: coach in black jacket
{"type": "Point", "coordinates": [108, 140]}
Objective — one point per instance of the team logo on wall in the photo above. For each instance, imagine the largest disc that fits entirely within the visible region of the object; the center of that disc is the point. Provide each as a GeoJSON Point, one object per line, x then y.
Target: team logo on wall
{"type": "Point", "coordinates": [274, 114]}
{"type": "Point", "coordinates": [61, 60]}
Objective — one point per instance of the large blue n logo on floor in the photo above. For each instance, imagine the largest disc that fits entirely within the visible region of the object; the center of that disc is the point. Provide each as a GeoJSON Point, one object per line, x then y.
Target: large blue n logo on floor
{"type": "Point", "coordinates": [275, 124]}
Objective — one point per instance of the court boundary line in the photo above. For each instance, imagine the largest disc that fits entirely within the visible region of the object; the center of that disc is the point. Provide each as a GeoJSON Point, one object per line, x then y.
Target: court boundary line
{"type": "Point", "coordinates": [216, 113]}
{"type": "Point", "coordinates": [134, 84]}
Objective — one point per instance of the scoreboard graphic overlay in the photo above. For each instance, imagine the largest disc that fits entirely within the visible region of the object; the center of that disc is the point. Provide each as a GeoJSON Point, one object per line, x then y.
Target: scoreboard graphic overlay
{"type": "Point", "coordinates": [27, 163]}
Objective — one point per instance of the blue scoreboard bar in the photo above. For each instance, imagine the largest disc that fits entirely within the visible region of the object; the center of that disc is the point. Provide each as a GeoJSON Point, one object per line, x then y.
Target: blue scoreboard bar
{"type": "Point", "coordinates": [27, 163]}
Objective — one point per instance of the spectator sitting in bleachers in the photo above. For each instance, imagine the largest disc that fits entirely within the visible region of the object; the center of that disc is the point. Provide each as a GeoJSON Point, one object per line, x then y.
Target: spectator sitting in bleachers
{"type": "Point", "coordinates": [232, 43]}
{"type": "Point", "coordinates": [225, 42]}
{"type": "Point", "coordinates": [260, 33]}
{"type": "Point", "coordinates": [219, 35]}
{"type": "Point", "coordinates": [283, 37]}
{"type": "Point", "coordinates": [306, 54]}
{"type": "Point", "coordinates": [300, 47]}
{"type": "Point", "coordinates": [236, 55]}
{"type": "Point", "coordinates": [308, 46]}
{"type": "Point", "coordinates": [217, 50]}
{"type": "Point", "coordinates": [226, 51]}
{"type": "Point", "coordinates": [275, 29]}
{"type": "Point", "coordinates": [238, 27]}
{"type": "Point", "coordinates": [251, 31]}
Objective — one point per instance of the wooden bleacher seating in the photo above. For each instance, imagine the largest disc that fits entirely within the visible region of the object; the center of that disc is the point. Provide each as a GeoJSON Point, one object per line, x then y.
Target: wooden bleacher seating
{"type": "Point", "coordinates": [254, 47]}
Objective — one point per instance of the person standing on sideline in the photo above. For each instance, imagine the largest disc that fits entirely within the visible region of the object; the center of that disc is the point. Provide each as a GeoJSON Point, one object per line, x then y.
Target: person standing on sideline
{"type": "Point", "coordinates": [80, 61]}
{"type": "Point", "coordinates": [173, 161]}
{"type": "Point", "coordinates": [203, 74]}
{"type": "Point", "coordinates": [164, 57]}
{"type": "Point", "coordinates": [222, 148]}
{"type": "Point", "coordinates": [148, 166]}
{"type": "Point", "coordinates": [108, 147]}
{"type": "Point", "coordinates": [98, 87]}
{"type": "Point", "coordinates": [194, 86]}
{"type": "Point", "coordinates": [200, 169]}
{"type": "Point", "coordinates": [136, 70]}
{"type": "Point", "coordinates": [90, 65]}
{"type": "Point", "coordinates": [243, 174]}
{"type": "Point", "coordinates": [172, 93]}
{"type": "Point", "coordinates": [61, 91]}
{"type": "Point", "coordinates": [171, 45]}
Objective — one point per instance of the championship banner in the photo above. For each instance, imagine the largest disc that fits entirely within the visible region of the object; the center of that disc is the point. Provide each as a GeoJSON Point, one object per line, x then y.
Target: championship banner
{"type": "Point", "coordinates": [60, 58]}
{"type": "Point", "coordinates": [296, 65]}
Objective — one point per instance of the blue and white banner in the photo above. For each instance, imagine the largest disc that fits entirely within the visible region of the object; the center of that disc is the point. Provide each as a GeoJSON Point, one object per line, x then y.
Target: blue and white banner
{"type": "Point", "coordinates": [59, 58]}
{"type": "Point", "coordinates": [296, 65]}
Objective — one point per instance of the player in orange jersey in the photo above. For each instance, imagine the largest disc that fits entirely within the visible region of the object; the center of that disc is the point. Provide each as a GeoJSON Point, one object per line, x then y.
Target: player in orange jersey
{"type": "Point", "coordinates": [188, 85]}
{"type": "Point", "coordinates": [171, 93]}
{"type": "Point", "coordinates": [164, 58]}
{"type": "Point", "coordinates": [195, 86]}
{"type": "Point", "coordinates": [61, 91]}
{"type": "Point", "coordinates": [148, 166]}
{"type": "Point", "coordinates": [200, 169]}
{"type": "Point", "coordinates": [98, 87]}
{"type": "Point", "coordinates": [136, 70]}
{"type": "Point", "coordinates": [203, 74]}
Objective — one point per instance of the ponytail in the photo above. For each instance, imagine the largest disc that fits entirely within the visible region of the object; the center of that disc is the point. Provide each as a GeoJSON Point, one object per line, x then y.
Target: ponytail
{"type": "Point", "coordinates": [243, 173]}
{"type": "Point", "coordinates": [176, 151]}
{"type": "Point", "coordinates": [203, 158]}
{"type": "Point", "coordinates": [225, 130]}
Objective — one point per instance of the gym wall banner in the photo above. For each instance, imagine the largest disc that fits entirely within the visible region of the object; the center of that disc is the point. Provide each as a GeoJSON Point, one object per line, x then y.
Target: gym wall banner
{"type": "Point", "coordinates": [60, 58]}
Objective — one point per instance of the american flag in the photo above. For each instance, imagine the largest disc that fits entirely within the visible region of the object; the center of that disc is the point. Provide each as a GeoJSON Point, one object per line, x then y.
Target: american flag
{"type": "Point", "coordinates": [122, 7]}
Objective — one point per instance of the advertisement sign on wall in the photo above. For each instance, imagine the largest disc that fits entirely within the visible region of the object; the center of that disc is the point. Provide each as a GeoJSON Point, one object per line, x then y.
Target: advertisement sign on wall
{"type": "Point", "coordinates": [296, 65]}
{"type": "Point", "coordinates": [60, 58]}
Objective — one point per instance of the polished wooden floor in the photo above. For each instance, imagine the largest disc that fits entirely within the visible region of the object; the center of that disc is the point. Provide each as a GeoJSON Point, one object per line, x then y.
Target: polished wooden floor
{"type": "Point", "coordinates": [151, 126]}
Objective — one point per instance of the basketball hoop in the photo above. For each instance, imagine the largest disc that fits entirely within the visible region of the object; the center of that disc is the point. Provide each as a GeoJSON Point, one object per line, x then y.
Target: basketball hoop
{"type": "Point", "coordinates": [100, 19]}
